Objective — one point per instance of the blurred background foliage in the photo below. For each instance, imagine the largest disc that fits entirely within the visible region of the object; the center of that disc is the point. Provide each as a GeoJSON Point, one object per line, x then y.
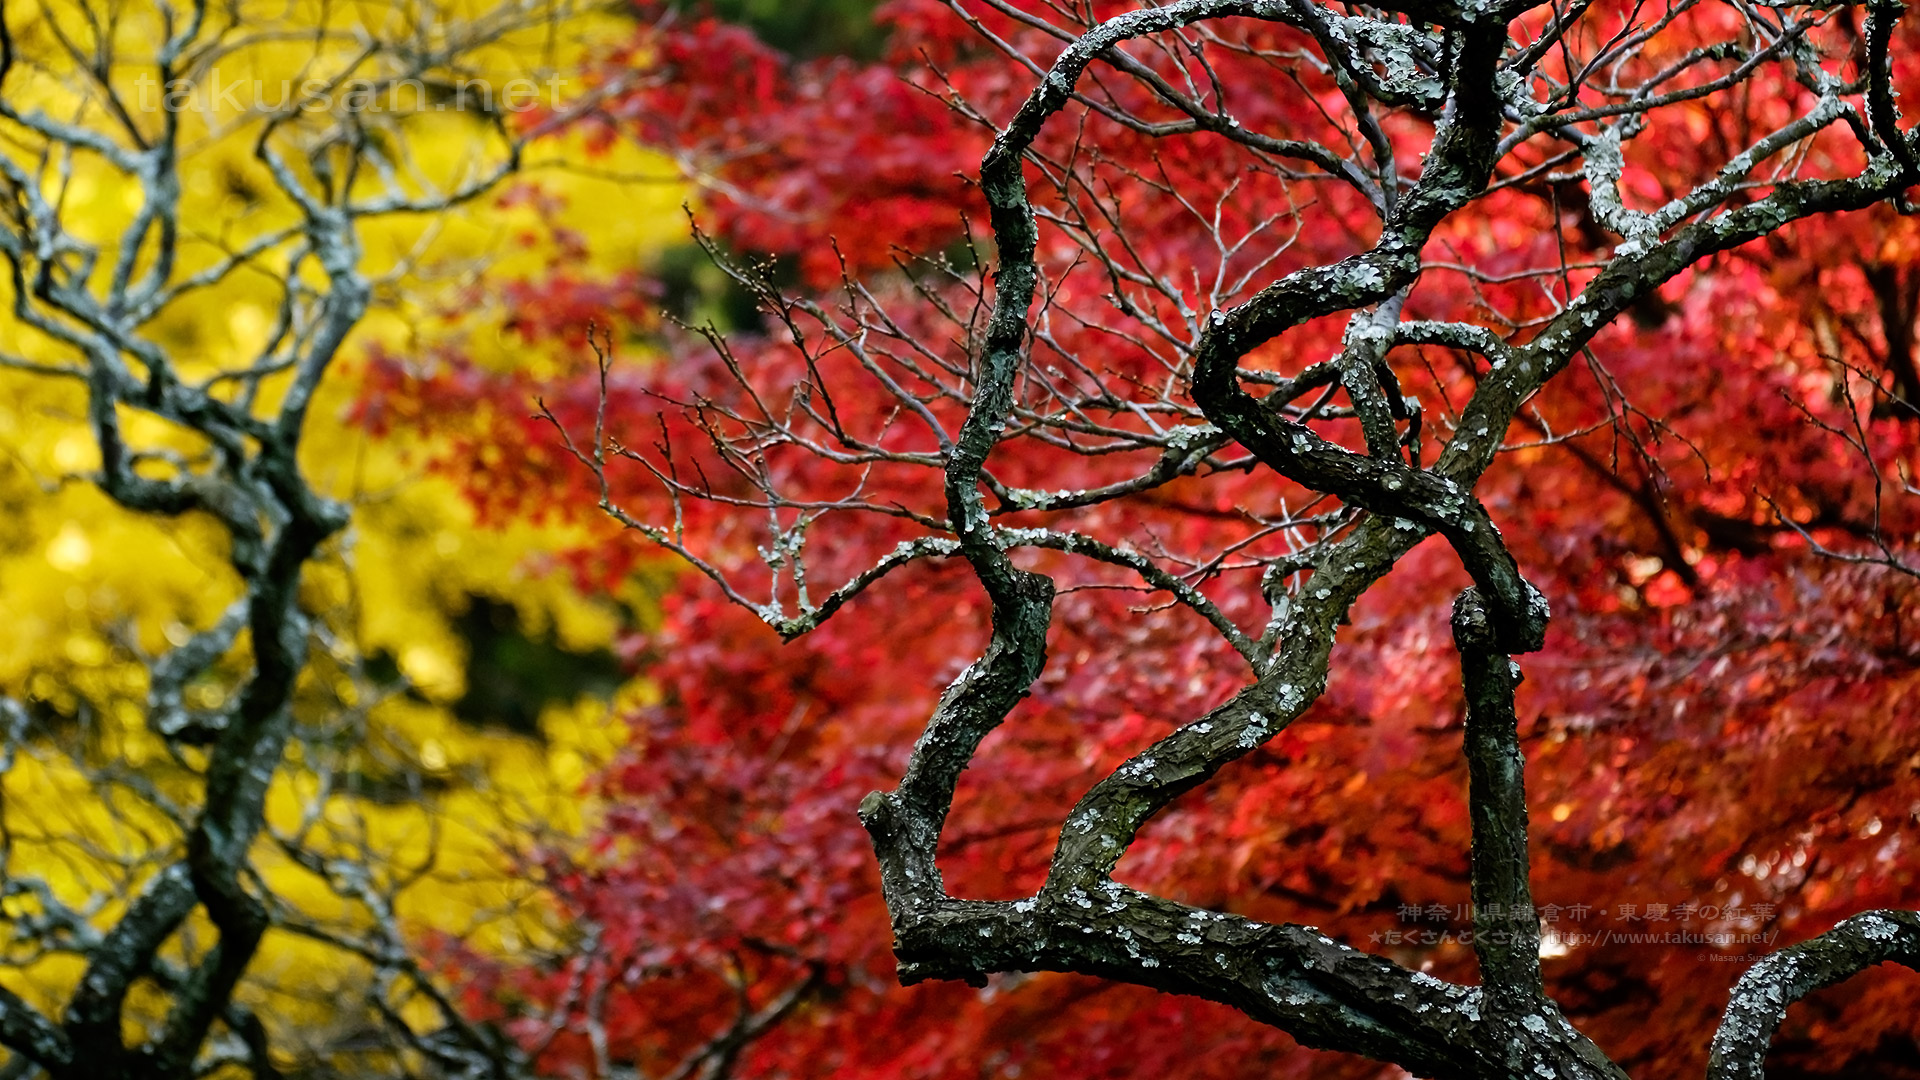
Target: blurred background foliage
{"type": "Point", "coordinates": [463, 692]}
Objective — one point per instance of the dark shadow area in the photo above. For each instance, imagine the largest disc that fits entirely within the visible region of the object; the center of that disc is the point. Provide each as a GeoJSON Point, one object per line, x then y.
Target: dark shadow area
{"type": "Point", "coordinates": [512, 675]}
{"type": "Point", "coordinates": [804, 28]}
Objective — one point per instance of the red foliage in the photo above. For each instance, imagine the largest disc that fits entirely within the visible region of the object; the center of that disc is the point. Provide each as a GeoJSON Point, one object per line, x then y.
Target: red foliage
{"type": "Point", "coordinates": [1721, 733]}
{"type": "Point", "coordinates": [798, 157]}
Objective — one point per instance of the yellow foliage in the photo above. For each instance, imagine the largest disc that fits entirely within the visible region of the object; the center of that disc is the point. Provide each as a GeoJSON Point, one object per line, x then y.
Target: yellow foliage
{"type": "Point", "coordinates": [382, 771]}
